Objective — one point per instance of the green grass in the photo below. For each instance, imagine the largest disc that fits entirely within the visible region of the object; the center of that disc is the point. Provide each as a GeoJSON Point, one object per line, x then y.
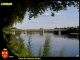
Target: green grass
{"type": "Point", "coordinates": [16, 46]}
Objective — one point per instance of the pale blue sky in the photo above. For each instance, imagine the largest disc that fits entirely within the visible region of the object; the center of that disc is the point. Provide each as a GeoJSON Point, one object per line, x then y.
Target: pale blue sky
{"type": "Point", "coordinates": [67, 18]}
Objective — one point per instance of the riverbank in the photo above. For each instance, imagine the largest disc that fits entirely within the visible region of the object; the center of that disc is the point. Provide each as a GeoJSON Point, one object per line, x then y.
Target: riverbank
{"type": "Point", "coordinates": [17, 46]}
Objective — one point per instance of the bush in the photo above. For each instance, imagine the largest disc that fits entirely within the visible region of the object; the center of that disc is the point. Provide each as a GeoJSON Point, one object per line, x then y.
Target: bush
{"type": "Point", "coordinates": [16, 46]}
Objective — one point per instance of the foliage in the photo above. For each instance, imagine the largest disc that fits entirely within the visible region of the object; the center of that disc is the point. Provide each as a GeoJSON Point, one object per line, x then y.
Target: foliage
{"type": "Point", "coordinates": [47, 47]}
{"type": "Point", "coordinates": [45, 52]}
{"type": "Point", "coordinates": [55, 28]}
{"type": "Point", "coordinates": [41, 28]}
{"type": "Point", "coordinates": [18, 33]}
{"type": "Point", "coordinates": [13, 28]}
{"type": "Point", "coordinates": [73, 29]}
{"type": "Point", "coordinates": [61, 54]}
{"type": "Point", "coordinates": [9, 29]}
{"type": "Point", "coordinates": [40, 51]}
{"type": "Point", "coordinates": [17, 12]}
{"type": "Point", "coordinates": [6, 29]}
{"type": "Point", "coordinates": [16, 46]}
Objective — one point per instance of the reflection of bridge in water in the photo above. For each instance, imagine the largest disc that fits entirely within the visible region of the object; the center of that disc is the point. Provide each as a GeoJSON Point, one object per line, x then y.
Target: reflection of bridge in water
{"type": "Point", "coordinates": [42, 31]}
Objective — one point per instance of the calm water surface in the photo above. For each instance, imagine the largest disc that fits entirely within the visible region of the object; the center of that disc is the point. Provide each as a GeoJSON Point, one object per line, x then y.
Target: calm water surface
{"type": "Point", "coordinates": [70, 42]}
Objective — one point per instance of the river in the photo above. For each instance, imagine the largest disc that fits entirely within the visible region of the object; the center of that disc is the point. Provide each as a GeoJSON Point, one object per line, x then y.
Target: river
{"type": "Point", "coordinates": [69, 42]}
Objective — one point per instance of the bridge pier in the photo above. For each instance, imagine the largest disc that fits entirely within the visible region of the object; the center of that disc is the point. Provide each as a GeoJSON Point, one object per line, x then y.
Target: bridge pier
{"type": "Point", "coordinates": [43, 32]}
{"type": "Point", "coordinates": [25, 33]}
{"type": "Point", "coordinates": [59, 32]}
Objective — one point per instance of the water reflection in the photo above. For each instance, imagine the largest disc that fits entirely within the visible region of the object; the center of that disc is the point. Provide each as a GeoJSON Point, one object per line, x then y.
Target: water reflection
{"type": "Point", "coordinates": [71, 42]}
{"type": "Point", "coordinates": [41, 34]}
{"type": "Point", "coordinates": [69, 36]}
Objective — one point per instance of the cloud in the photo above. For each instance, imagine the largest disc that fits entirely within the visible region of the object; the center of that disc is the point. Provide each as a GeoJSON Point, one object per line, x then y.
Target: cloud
{"type": "Point", "coordinates": [45, 22]}
{"type": "Point", "coordinates": [45, 15]}
{"type": "Point", "coordinates": [75, 17]}
{"type": "Point", "coordinates": [60, 16]}
{"type": "Point", "coordinates": [55, 19]}
{"type": "Point", "coordinates": [57, 15]}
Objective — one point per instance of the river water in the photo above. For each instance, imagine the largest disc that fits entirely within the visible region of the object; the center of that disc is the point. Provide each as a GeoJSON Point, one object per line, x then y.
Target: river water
{"type": "Point", "coordinates": [69, 42]}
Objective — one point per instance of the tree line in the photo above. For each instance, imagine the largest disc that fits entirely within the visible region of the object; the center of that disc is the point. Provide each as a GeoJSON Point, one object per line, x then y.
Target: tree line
{"type": "Point", "coordinates": [70, 29]}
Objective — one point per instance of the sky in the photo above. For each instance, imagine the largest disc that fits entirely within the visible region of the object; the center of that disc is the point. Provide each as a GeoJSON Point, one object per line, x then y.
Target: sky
{"type": "Point", "coordinates": [64, 18]}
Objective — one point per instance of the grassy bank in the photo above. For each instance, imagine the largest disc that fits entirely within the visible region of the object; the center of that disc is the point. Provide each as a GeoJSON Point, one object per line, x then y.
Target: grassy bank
{"type": "Point", "coordinates": [16, 46]}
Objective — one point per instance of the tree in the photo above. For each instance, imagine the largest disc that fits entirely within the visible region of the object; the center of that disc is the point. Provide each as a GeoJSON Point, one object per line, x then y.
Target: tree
{"type": "Point", "coordinates": [55, 28]}
{"type": "Point", "coordinates": [41, 28]}
{"type": "Point", "coordinates": [78, 29]}
{"type": "Point", "coordinates": [65, 28]}
{"type": "Point", "coordinates": [40, 51]}
{"type": "Point", "coordinates": [17, 12]}
{"type": "Point", "coordinates": [13, 28]}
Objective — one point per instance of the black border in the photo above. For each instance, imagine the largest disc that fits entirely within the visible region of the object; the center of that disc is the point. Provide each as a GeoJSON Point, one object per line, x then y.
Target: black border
{"type": "Point", "coordinates": [3, 45]}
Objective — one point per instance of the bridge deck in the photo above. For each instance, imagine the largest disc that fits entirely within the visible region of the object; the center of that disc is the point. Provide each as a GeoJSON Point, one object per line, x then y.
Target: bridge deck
{"type": "Point", "coordinates": [46, 30]}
